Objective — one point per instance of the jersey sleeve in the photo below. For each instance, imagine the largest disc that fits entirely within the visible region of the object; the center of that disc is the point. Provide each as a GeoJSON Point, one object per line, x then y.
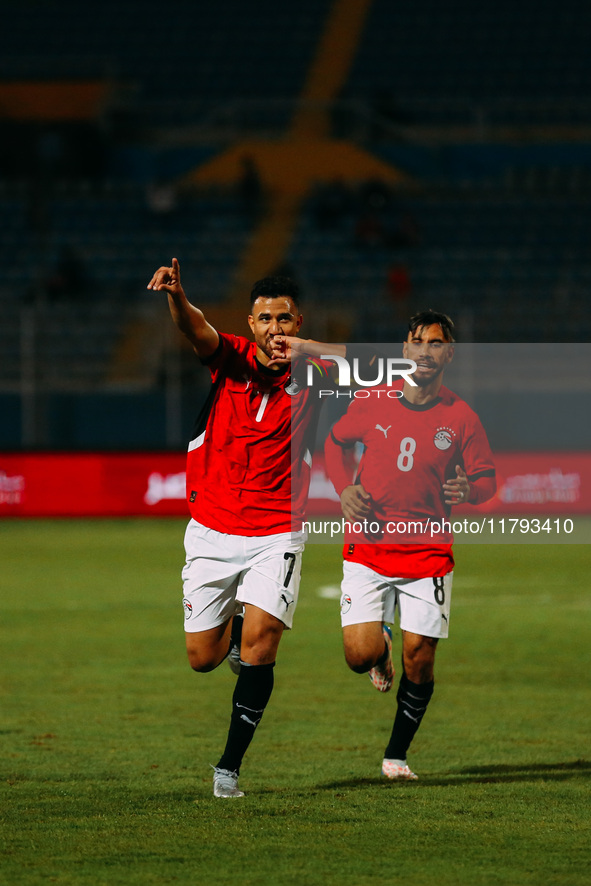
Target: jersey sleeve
{"type": "Point", "coordinates": [478, 462]}
{"type": "Point", "coordinates": [229, 347]}
{"type": "Point", "coordinates": [339, 458]}
{"type": "Point", "coordinates": [349, 429]}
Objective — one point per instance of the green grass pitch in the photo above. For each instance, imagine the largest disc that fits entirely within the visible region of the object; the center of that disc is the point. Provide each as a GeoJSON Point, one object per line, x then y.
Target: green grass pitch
{"type": "Point", "coordinates": [107, 735]}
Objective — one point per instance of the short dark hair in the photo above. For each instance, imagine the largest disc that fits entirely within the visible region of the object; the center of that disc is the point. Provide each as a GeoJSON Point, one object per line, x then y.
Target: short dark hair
{"type": "Point", "coordinates": [274, 287]}
{"type": "Point", "coordinates": [430, 318]}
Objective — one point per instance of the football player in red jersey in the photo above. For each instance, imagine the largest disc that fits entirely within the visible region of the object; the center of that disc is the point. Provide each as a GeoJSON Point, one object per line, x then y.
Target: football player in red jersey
{"type": "Point", "coordinates": [424, 451]}
{"type": "Point", "coordinates": [247, 477]}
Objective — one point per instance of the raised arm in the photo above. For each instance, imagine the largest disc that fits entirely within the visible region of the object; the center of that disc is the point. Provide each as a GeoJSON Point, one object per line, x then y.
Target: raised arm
{"type": "Point", "coordinates": [189, 319]}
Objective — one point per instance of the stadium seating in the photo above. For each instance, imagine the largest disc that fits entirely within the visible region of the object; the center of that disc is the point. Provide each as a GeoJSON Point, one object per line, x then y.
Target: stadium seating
{"type": "Point", "coordinates": [500, 230]}
{"type": "Point", "coordinates": [182, 62]}
{"type": "Point", "coordinates": [500, 61]}
{"type": "Point", "coordinates": [509, 266]}
{"type": "Point", "coordinates": [119, 242]}
{"type": "Point", "coordinates": [491, 258]}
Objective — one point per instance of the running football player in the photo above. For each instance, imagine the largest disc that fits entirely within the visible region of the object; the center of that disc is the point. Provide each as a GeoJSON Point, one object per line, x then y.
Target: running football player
{"type": "Point", "coordinates": [247, 479]}
{"type": "Point", "coordinates": [425, 452]}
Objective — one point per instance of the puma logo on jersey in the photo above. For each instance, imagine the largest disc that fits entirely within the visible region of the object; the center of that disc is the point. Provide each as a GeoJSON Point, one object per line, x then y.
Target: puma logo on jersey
{"type": "Point", "coordinates": [383, 430]}
{"type": "Point", "coordinates": [286, 601]}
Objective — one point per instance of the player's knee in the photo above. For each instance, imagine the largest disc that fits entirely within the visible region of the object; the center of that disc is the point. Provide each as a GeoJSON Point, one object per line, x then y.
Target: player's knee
{"type": "Point", "coordinates": [200, 662]}
{"type": "Point", "coordinates": [261, 652]}
{"type": "Point", "coordinates": [358, 660]}
{"type": "Point", "coordinates": [201, 667]}
{"type": "Point", "coordinates": [260, 640]}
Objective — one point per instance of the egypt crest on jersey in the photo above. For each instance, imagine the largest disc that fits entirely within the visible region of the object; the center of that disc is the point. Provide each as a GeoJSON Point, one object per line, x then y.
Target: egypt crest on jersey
{"type": "Point", "coordinates": [249, 461]}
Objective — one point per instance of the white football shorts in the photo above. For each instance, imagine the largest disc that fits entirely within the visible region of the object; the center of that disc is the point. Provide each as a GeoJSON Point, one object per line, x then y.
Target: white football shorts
{"type": "Point", "coordinates": [222, 571]}
{"type": "Point", "coordinates": [423, 603]}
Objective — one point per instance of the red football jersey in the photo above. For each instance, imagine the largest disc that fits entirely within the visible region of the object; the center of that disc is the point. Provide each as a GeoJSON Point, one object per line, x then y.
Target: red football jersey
{"type": "Point", "coordinates": [410, 451]}
{"type": "Point", "coordinates": [248, 465]}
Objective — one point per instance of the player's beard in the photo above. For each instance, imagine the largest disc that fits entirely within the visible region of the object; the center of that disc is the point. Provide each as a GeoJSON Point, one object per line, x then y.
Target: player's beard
{"type": "Point", "coordinates": [425, 381]}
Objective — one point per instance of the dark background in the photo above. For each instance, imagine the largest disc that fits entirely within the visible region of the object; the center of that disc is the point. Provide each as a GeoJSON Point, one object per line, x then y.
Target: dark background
{"type": "Point", "coordinates": [447, 166]}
